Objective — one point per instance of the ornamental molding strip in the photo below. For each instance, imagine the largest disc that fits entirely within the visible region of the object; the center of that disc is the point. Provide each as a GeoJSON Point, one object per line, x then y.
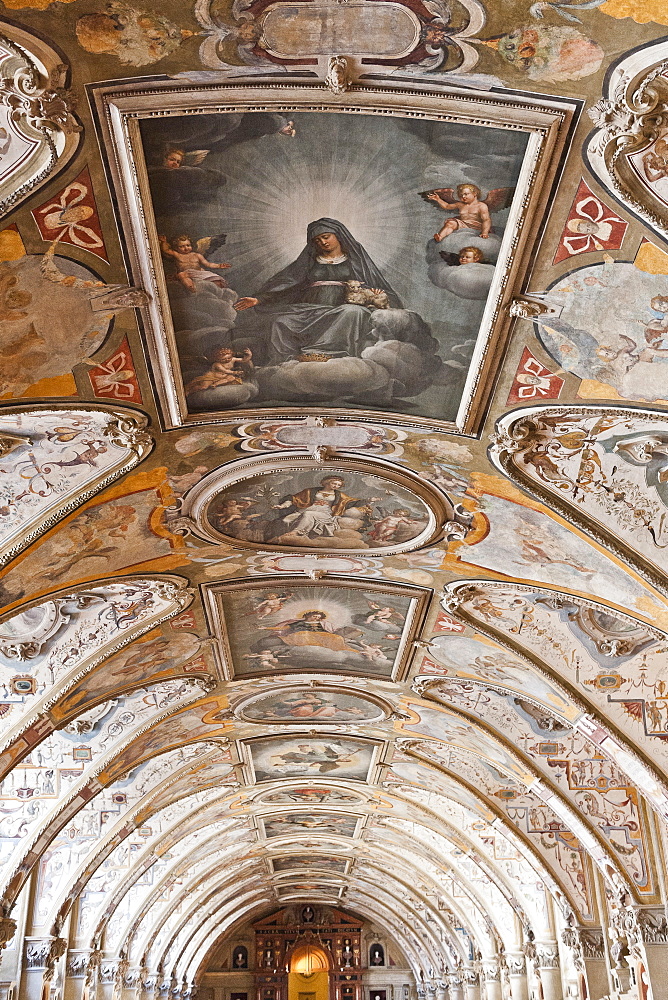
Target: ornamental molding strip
{"type": "Point", "coordinates": [626, 149]}
{"type": "Point", "coordinates": [39, 132]}
{"type": "Point", "coordinates": [60, 457]}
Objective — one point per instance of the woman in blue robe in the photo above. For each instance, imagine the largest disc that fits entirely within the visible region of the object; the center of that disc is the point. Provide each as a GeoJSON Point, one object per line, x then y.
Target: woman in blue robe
{"type": "Point", "coordinates": [302, 311]}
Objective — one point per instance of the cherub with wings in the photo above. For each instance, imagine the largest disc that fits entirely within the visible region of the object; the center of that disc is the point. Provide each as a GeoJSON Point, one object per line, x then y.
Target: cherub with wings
{"type": "Point", "coordinates": [191, 265]}
{"type": "Point", "coordinates": [473, 211]}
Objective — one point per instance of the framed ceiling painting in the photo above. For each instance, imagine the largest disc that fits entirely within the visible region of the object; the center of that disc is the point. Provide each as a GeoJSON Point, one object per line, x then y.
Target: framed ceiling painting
{"type": "Point", "coordinates": [302, 755]}
{"type": "Point", "coordinates": [346, 505]}
{"type": "Point", "coordinates": [288, 625]}
{"type": "Point", "coordinates": [333, 253]}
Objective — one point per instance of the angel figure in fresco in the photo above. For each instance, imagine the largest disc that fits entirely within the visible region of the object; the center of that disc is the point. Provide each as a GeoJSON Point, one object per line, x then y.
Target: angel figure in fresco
{"type": "Point", "coordinates": [226, 369]}
{"type": "Point", "coordinates": [267, 659]}
{"type": "Point", "coordinates": [385, 615]}
{"type": "Point", "coordinates": [191, 266]}
{"type": "Point", "coordinates": [386, 529]}
{"type": "Point", "coordinates": [271, 604]}
{"type": "Point", "coordinates": [473, 211]}
{"type": "Point", "coordinates": [311, 629]}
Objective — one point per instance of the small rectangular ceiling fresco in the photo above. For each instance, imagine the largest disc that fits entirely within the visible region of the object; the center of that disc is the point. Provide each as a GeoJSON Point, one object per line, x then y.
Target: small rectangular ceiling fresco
{"type": "Point", "coordinates": [332, 627]}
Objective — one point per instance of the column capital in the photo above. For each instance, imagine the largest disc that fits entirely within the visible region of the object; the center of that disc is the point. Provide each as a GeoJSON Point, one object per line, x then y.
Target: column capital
{"type": "Point", "coordinates": [7, 930]}
{"type": "Point", "coordinates": [547, 955]}
{"type": "Point", "coordinates": [491, 970]}
{"type": "Point", "coordinates": [516, 962]}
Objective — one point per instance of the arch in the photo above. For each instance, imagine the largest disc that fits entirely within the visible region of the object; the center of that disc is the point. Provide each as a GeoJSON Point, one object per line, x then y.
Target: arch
{"type": "Point", "coordinates": [54, 457]}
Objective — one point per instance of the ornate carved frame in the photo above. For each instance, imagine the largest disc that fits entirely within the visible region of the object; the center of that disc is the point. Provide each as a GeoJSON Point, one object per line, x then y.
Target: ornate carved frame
{"type": "Point", "coordinates": [216, 616]}
{"type": "Point", "coordinates": [630, 116]}
{"type": "Point", "coordinates": [38, 108]}
{"type": "Point", "coordinates": [445, 518]}
{"type": "Point", "coordinates": [547, 121]}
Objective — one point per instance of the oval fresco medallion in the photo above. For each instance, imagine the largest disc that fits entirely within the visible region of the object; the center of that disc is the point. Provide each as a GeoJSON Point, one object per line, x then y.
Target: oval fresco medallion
{"type": "Point", "coordinates": [311, 794]}
{"type": "Point", "coordinates": [318, 705]}
{"type": "Point", "coordinates": [297, 502]}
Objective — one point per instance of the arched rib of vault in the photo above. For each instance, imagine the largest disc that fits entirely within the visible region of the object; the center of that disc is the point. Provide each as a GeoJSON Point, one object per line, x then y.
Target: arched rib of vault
{"type": "Point", "coordinates": [135, 914]}
{"type": "Point", "coordinates": [179, 955]}
{"type": "Point", "coordinates": [92, 782]}
{"type": "Point", "coordinates": [102, 895]}
{"type": "Point", "coordinates": [479, 925]}
{"type": "Point", "coordinates": [617, 821]}
{"type": "Point", "coordinates": [470, 777]}
{"type": "Point", "coordinates": [190, 895]}
{"type": "Point", "coordinates": [61, 639]}
{"type": "Point", "coordinates": [172, 798]}
{"type": "Point", "coordinates": [490, 835]}
{"type": "Point", "coordinates": [470, 737]}
{"type": "Point", "coordinates": [55, 456]}
{"type": "Point", "coordinates": [229, 860]}
{"type": "Point", "coordinates": [539, 625]}
{"type": "Point", "coordinates": [176, 833]}
{"type": "Point", "coordinates": [403, 935]}
{"type": "Point", "coordinates": [479, 890]}
{"type": "Point", "coordinates": [370, 883]}
{"type": "Point", "coordinates": [154, 776]}
{"type": "Point", "coordinates": [172, 827]}
{"type": "Point", "coordinates": [522, 879]}
{"type": "Point", "coordinates": [175, 729]}
{"type": "Point", "coordinates": [459, 844]}
{"type": "Point", "coordinates": [190, 965]}
{"type": "Point", "coordinates": [456, 861]}
{"type": "Point", "coordinates": [187, 892]}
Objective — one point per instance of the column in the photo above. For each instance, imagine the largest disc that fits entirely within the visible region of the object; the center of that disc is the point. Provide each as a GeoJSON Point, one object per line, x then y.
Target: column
{"type": "Point", "coordinates": [40, 957]}
{"type": "Point", "coordinates": [491, 974]}
{"type": "Point", "coordinates": [517, 971]}
{"type": "Point", "coordinates": [653, 927]}
{"type": "Point", "coordinates": [149, 985]}
{"type": "Point", "coordinates": [471, 984]}
{"type": "Point", "coordinates": [75, 974]}
{"type": "Point", "coordinates": [107, 979]}
{"type": "Point", "coordinates": [547, 965]}
{"type": "Point", "coordinates": [442, 991]}
{"type": "Point", "coordinates": [455, 986]}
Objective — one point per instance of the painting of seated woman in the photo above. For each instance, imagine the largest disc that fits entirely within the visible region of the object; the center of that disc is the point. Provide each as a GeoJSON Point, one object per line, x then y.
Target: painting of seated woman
{"type": "Point", "coordinates": [306, 265]}
{"type": "Point", "coordinates": [350, 510]}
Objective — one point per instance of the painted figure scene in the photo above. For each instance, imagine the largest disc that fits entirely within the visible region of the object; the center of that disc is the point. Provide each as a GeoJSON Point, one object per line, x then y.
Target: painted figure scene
{"type": "Point", "coordinates": [309, 509]}
{"type": "Point", "coordinates": [311, 756]}
{"type": "Point", "coordinates": [310, 704]}
{"type": "Point", "coordinates": [300, 271]}
{"type": "Point", "coordinates": [335, 630]}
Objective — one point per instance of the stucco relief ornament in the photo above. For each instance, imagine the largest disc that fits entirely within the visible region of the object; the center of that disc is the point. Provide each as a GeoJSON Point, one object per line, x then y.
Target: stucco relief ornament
{"type": "Point", "coordinates": [628, 150]}
{"type": "Point", "coordinates": [338, 78]}
{"type": "Point", "coordinates": [38, 130]}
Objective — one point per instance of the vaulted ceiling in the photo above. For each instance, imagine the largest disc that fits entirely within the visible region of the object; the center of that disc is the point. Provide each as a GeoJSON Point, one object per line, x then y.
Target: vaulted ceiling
{"type": "Point", "coordinates": [349, 600]}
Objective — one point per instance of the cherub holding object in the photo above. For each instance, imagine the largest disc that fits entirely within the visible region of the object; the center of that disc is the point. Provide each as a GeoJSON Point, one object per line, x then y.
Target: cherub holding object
{"type": "Point", "coordinates": [473, 211]}
{"type": "Point", "coordinates": [226, 369]}
{"type": "Point", "coordinates": [191, 265]}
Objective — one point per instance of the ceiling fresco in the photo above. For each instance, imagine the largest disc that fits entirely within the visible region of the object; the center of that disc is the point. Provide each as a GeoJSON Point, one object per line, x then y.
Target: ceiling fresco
{"type": "Point", "coordinates": [333, 492]}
